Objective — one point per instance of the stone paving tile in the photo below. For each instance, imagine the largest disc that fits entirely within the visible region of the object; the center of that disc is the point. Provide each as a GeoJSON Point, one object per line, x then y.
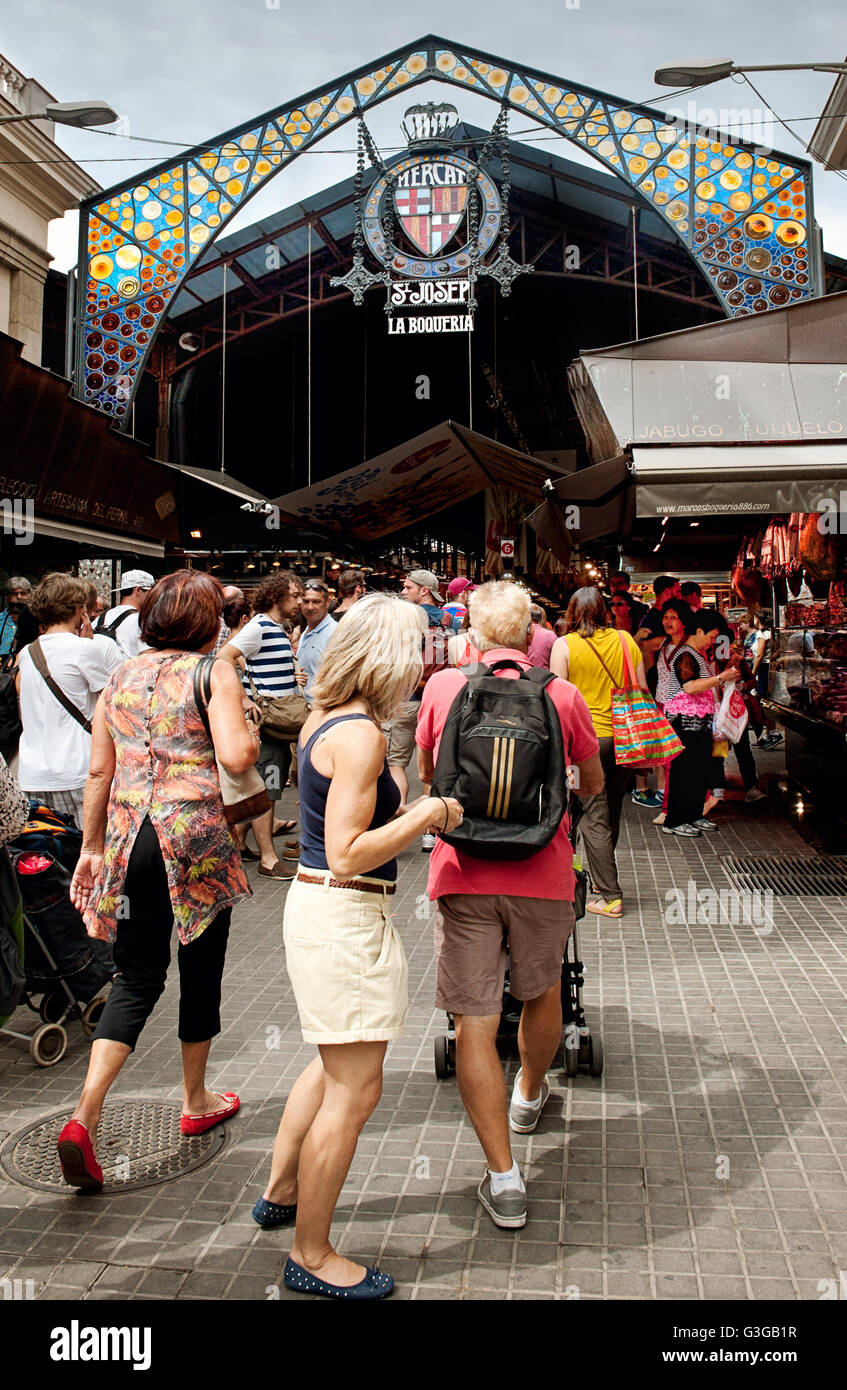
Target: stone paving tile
{"type": "Point", "coordinates": [710, 1161]}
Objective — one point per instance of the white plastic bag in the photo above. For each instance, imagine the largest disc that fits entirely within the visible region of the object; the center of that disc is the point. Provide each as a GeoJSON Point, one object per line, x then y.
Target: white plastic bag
{"type": "Point", "coordinates": [731, 716]}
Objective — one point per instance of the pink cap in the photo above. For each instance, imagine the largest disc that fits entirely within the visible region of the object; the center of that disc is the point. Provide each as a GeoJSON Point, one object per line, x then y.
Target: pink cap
{"type": "Point", "coordinates": [458, 586]}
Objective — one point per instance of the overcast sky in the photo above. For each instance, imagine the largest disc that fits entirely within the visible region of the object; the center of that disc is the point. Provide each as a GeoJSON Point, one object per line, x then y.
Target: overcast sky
{"type": "Point", "coordinates": [180, 70]}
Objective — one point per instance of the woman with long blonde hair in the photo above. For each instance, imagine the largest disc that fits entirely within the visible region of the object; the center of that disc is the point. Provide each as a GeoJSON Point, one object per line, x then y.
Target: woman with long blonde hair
{"type": "Point", "coordinates": [345, 960]}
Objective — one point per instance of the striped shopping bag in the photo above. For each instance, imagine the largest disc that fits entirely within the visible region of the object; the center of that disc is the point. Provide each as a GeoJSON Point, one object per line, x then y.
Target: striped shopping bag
{"type": "Point", "coordinates": [643, 737]}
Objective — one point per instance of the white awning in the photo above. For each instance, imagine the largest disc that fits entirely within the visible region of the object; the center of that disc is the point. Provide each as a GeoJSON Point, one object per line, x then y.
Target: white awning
{"type": "Point", "coordinates": [738, 479]}
{"type": "Point", "coordinates": [103, 540]}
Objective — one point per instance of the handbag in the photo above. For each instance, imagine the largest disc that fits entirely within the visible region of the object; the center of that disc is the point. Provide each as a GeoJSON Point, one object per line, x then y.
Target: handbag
{"type": "Point", "coordinates": [244, 794]}
{"type": "Point", "coordinates": [731, 716]}
{"type": "Point", "coordinates": [642, 736]}
{"type": "Point", "coordinates": [281, 716]}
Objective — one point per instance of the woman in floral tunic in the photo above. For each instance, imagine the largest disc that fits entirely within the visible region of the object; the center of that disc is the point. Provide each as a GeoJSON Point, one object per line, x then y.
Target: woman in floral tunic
{"type": "Point", "coordinates": [157, 852]}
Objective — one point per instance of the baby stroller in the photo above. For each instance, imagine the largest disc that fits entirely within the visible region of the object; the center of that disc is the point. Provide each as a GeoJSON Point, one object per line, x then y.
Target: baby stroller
{"type": "Point", "coordinates": [65, 970]}
{"type": "Point", "coordinates": [580, 1047]}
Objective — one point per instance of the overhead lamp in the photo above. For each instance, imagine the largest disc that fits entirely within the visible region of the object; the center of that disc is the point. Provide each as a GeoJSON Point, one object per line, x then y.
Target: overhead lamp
{"type": "Point", "coordinates": [701, 74]}
{"type": "Point", "coordinates": [189, 342]}
{"type": "Point", "coordinates": [73, 113]}
{"type": "Point", "coordinates": [196, 535]}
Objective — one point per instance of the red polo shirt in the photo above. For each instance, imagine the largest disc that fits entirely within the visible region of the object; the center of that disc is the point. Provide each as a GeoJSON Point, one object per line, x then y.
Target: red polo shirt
{"type": "Point", "coordinates": [547, 874]}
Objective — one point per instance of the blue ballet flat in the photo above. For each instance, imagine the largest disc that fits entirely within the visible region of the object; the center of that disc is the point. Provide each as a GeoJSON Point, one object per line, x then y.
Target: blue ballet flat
{"type": "Point", "coordinates": [374, 1285]}
{"type": "Point", "coordinates": [267, 1214]}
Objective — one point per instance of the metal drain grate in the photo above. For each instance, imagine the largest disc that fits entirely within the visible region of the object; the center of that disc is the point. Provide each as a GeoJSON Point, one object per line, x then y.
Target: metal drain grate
{"type": "Point", "coordinates": [796, 877]}
{"type": "Point", "coordinates": [138, 1145]}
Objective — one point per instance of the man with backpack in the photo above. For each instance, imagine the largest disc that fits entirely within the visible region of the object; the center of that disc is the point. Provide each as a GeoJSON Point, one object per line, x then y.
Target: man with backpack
{"type": "Point", "coordinates": [507, 735]}
{"type": "Point", "coordinates": [121, 622]}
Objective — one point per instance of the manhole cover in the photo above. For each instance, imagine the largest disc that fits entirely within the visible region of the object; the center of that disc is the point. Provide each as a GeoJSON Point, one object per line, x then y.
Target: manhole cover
{"type": "Point", "coordinates": [138, 1145]}
{"type": "Point", "coordinates": [797, 877]}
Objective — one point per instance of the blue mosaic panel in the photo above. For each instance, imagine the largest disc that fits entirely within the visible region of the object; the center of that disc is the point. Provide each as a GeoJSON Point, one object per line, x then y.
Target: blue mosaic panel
{"type": "Point", "coordinates": [743, 215]}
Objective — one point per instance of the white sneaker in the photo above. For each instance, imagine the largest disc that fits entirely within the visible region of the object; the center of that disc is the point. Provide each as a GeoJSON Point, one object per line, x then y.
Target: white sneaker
{"type": "Point", "coordinates": [755, 795]}
{"type": "Point", "coordinates": [427, 843]}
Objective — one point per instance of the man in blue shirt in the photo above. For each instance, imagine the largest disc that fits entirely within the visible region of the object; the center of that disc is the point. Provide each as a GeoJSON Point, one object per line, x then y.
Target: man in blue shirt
{"type": "Point", "coordinates": [314, 606]}
{"type": "Point", "coordinates": [421, 587]}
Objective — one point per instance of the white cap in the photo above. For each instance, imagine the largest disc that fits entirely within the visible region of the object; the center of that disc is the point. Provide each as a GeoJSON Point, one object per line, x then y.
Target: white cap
{"type": "Point", "coordinates": [136, 579]}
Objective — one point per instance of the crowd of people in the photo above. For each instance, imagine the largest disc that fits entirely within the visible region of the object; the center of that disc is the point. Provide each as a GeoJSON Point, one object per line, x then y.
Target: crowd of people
{"type": "Point", "coordinates": [118, 735]}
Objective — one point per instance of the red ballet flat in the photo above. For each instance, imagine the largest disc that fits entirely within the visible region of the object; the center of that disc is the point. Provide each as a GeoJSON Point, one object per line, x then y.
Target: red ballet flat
{"type": "Point", "coordinates": [76, 1155]}
{"type": "Point", "coordinates": [198, 1124]}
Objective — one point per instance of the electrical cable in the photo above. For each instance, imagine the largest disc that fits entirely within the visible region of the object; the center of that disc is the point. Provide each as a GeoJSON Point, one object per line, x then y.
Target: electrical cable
{"type": "Point", "coordinates": [840, 172]}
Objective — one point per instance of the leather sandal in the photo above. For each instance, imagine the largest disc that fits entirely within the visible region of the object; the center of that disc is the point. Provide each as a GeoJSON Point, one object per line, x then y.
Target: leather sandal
{"type": "Point", "coordinates": [285, 827]}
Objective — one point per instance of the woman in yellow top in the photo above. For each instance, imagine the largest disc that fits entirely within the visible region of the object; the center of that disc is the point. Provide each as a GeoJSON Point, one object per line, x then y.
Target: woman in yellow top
{"type": "Point", "coordinates": [591, 657]}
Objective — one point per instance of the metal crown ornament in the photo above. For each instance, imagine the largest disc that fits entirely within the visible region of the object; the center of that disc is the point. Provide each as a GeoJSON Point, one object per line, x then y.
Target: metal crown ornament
{"type": "Point", "coordinates": [435, 220]}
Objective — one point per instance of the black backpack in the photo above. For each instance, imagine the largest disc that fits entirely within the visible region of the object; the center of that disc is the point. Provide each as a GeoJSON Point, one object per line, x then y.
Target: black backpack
{"type": "Point", "coordinates": [502, 756]}
{"type": "Point", "coordinates": [104, 629]}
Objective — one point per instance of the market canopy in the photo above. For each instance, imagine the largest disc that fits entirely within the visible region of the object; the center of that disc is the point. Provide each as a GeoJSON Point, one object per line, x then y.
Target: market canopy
{"type": "Point", "coordinates": [583, 506]}
{"type": "Point", "coordinates": [740, 417]}
{"type": "Point", "coordinates": [413, 481]}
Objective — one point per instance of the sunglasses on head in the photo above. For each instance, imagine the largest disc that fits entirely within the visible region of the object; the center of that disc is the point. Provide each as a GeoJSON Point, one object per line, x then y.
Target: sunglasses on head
{"type": "Point", "coordinates": [316, 585]}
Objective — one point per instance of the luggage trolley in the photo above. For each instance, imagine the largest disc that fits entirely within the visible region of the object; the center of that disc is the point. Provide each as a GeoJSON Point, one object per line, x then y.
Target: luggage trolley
{"type": "Point", "coordinates": [580, 1047]}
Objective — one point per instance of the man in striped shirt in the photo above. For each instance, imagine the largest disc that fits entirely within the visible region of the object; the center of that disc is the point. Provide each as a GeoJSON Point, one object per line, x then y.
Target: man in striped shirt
{"type": "Point", "coordinates": [269, 661]}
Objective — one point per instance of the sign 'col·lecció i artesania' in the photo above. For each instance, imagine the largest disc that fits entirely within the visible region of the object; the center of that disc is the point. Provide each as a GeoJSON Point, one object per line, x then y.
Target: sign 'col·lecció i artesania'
{"type": "Point", "coordinates": [431, 220]}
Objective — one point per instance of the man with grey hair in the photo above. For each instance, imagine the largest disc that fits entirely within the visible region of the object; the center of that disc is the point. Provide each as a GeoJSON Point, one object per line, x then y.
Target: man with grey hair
{"type": "Point", "coordinates": [479, 903]}
{"type": "Point", "coordinates": [18, 595]}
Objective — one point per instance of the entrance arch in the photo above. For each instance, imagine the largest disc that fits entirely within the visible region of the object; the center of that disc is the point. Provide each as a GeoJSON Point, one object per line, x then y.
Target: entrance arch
{"type": "Point", "coordinates": [745, 216]}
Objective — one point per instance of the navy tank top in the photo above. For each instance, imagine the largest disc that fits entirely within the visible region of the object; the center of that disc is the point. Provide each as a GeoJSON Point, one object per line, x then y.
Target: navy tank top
{"type": "Point", "coordinates": [314, 788]}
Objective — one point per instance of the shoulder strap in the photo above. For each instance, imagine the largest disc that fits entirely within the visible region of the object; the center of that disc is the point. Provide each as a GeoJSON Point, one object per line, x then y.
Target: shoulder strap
{"type": "Point", "coordinates": [539, 675]}
{"type": "Point", "coordinates": [37, 654]}
{"type": "Point", "coordinates": [628, 668]}
{"type": "Point", "coordinates": [600, 659]}
{"type": "Point", "coordinates": [203, 689]}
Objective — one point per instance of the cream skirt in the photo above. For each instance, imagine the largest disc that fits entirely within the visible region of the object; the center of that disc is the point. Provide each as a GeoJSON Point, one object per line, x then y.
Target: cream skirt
{"type": "Point", "coordinates": [346, 963]}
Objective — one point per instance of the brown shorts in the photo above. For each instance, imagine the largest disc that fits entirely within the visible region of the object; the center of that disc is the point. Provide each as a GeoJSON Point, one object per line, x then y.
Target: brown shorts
{"type": "Point", "coordinates": [400, 734]}
{"type": "Point", "coordinates": [472, 934]}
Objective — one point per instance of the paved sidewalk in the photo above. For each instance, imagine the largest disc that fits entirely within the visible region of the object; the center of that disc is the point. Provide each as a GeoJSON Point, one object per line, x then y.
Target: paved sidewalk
{"type": "Point", "coordinates": [709, 1162]}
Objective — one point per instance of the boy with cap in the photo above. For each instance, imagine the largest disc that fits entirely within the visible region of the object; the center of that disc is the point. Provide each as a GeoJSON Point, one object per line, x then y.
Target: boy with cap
{"type": "Point", "coordinates": [122, 620]}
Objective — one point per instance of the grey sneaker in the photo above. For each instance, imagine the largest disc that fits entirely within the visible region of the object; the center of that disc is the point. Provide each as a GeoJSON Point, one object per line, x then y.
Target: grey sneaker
{"type": "Point", "coordinates": [507, 1209]}
{"type": "Point", "coordinates": [524, 1118]}
{"type": "Point", "coordinates": [427, 843]}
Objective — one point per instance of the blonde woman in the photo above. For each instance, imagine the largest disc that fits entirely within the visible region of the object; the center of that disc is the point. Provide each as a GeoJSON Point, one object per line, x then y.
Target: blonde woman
{"type": "Point", "coordinates": [345, 960]}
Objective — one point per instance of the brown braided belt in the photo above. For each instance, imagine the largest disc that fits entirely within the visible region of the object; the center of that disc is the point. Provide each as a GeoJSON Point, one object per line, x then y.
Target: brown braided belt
{"type": "Point", "coordinates": [357, 883]}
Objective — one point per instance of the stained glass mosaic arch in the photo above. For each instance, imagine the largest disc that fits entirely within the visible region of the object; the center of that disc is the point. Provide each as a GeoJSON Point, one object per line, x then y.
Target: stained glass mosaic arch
{"type": "Point", "coordinates": [744, 215]}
